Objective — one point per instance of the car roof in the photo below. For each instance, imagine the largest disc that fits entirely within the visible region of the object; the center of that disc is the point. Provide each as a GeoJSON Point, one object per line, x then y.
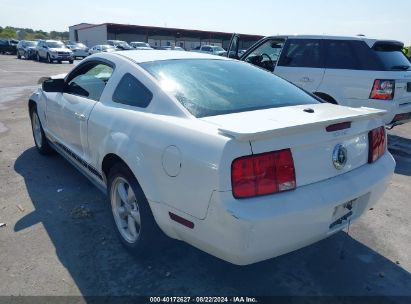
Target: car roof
{"type": "Point", "coordinates": [369, 41]}
{"type": "Point", "coordinates": [159, 55]}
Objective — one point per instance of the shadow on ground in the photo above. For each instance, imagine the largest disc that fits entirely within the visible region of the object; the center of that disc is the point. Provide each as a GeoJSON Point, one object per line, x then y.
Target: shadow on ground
{"type": "Point", "coordinates": [87, 246]}
{"type": "Point", "coordinates": [400, 148]}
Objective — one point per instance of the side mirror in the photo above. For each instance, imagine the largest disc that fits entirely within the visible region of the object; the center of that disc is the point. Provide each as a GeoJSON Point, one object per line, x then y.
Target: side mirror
{"type": "Point", "coordinates": [53, 85]}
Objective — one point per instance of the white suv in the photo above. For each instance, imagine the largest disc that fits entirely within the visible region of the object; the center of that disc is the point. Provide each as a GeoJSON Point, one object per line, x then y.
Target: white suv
{"type": "Point", "coordinates": [350, 71]}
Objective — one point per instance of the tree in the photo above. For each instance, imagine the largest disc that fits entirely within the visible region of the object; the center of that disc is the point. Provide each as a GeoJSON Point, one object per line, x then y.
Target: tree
{"type": "Point", "coordinates": [30, 34]}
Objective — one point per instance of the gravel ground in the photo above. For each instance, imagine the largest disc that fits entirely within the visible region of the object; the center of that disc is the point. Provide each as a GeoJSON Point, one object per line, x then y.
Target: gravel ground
{"type": "Point", "coordinates": [59, 239]}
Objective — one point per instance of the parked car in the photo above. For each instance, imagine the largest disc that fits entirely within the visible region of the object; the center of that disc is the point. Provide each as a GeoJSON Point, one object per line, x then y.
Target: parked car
{"type": "Point", "coordinates": [53, 50]}
{"type": "Point", "coordinates": [171, 48]}
{"type": "Point", "coordinates": [119, 44]}
{"type": "Point", "coordinates": [79, 50]}
{"type": "Point", "coordinates": [163, 133]}
{"type": "Point", "coordinates": [101, 48]}
{"type": "Point", "coordinates": [26, 49]}
{"type": "Point", "coordinates": [8, 46]}
{"type": "Point", "coordinates": [350, 71]}
{"type": "Point", "coordinates": [141, 45]}
{"type": "Point", "coordinates": [210, 49]}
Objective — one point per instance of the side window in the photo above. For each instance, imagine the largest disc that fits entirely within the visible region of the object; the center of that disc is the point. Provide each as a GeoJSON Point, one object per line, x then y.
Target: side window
{"type": "Point", "coordinates": [304, 53]}
{"type": "Point", "coordinates": [367, 58]}
{"type": "Point", "coordinates": [266, 55]}
{"type": "Point", "coordinates": [132, 92]}
{"type": "Point", "coordinates": [340, 55]}
{"type": "Point", "coordinates": [89, 81]}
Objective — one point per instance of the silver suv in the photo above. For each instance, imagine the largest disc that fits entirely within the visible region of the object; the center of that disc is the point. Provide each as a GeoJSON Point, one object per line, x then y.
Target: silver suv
{"type": "Point", "coordinates": [53, 50]}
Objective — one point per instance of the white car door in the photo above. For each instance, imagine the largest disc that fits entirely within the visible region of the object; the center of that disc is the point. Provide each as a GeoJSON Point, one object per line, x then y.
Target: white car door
{"type": "Point", "coordinates": [302, 63]}
{"type": "Point", "coordinates": [83, 89]}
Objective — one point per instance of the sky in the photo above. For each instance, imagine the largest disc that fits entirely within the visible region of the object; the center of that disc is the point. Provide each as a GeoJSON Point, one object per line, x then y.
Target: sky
{"type": "Point", "coordinates": [374, 18]}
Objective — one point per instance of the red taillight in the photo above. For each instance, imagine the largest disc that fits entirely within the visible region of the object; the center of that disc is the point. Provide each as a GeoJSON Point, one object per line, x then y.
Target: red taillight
{"type": "Point", "coordinates": [262, 174]}
{"type": "Point", "coordinates": [383, 89]}
{"type": "Point", "coordinates": [377, 144]}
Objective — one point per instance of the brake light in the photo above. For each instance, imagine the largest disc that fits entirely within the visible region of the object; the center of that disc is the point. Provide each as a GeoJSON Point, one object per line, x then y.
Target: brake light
{"type": "Point", "coordinates": [383, 89]}
{"type": "Point", "coordinates": [262, 174]}
{"type": "Point", "coordinates": [377, 144]}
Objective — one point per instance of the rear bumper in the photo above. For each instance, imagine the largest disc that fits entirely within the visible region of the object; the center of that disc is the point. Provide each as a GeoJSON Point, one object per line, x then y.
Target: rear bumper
{"type": "Point", "coordinates": [247, 231]}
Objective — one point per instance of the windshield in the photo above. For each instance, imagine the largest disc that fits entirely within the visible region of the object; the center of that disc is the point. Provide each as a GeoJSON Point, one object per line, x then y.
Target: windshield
{"type": "Point", "coordinates": [31, 43]}
{"type": "Point", "coordinates": [218, 49]}
{"type": "Point", "coordinates": [123, 43]}
{"type": "Point", "coordinates": [394, 60]}
{"type": "Point", "coordinates": [207, 87]}
{"type": "Point", "coordinates": [106, 47]}
{"type": "Point", "coordinates": [55, 44]}
{"type": "Point", "coordinates": [140, 44]}
{"type": "Point", "coordinates": [80, 45]}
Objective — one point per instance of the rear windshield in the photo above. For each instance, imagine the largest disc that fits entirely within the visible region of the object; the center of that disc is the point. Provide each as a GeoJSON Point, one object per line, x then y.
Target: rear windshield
{"type": "Point", "coordinates": [393, 60]}
{"type": "Point", "coordinates": [207, 87]}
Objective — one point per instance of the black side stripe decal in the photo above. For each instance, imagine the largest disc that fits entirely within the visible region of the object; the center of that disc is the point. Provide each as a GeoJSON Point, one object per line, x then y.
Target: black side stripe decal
{"type": "Point", "coordinates": [81, 161]}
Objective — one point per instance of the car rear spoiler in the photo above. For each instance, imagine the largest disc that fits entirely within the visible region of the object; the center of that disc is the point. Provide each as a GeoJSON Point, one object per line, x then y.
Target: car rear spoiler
{"type": "Point", "coordinates": [388, 45]}
{"type": "Point", "coordinates": [292, 128]}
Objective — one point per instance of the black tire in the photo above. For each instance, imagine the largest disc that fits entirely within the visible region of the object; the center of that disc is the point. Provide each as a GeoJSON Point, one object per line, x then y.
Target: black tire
{"type": "Point", "coordinates": [38, 57]}
{"type": "Point", "coordinates": [149, 235]}
{"type": "Point", "coordinates": [71, 61]}
{"type": "Point", "coordinates": [26, 56]}
{"type": "Point", "coordinates": [49, 60]}
{"type": "Point", "coordinates": [59, 61]}
{"type": "Point", "coordinates": [18, 55]}
{"type": "Point", "coordinates": [41, 142]}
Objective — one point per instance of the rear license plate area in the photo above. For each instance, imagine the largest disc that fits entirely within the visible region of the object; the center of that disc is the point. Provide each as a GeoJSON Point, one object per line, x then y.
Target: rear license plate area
{"type": "Point", "coordinates": [342, 214]}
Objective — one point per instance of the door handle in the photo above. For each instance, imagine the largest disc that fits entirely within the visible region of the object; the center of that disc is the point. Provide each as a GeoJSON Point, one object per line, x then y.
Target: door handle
{"type": "Point", "coordinates": [305, 79]}
{"type": "Point", "coordinates": [80, 116]}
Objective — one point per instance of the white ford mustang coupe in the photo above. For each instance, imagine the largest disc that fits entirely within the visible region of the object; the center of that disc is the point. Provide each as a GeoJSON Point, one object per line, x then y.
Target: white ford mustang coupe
{"type": "Point", "coordinates": [215, 152]}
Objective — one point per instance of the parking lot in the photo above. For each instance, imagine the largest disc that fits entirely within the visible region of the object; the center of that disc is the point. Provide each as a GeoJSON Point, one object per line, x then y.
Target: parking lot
{"type": "Point", "coordinates": [59, 238]}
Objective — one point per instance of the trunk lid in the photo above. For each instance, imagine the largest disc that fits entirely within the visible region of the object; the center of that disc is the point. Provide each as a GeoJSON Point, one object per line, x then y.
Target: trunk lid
{"type": "Point", "coordinates": [305, 133]}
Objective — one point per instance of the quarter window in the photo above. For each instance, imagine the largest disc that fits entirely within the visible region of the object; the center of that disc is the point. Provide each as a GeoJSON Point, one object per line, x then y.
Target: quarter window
{"type": "Point", "coordinates": [89, 81]}
{"type": "Point", "coordinates": [303, 53]}
{"type": "Point", "coordinates": [132, 92]}
{"type": "Point", "coordinates": [366, 57]}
